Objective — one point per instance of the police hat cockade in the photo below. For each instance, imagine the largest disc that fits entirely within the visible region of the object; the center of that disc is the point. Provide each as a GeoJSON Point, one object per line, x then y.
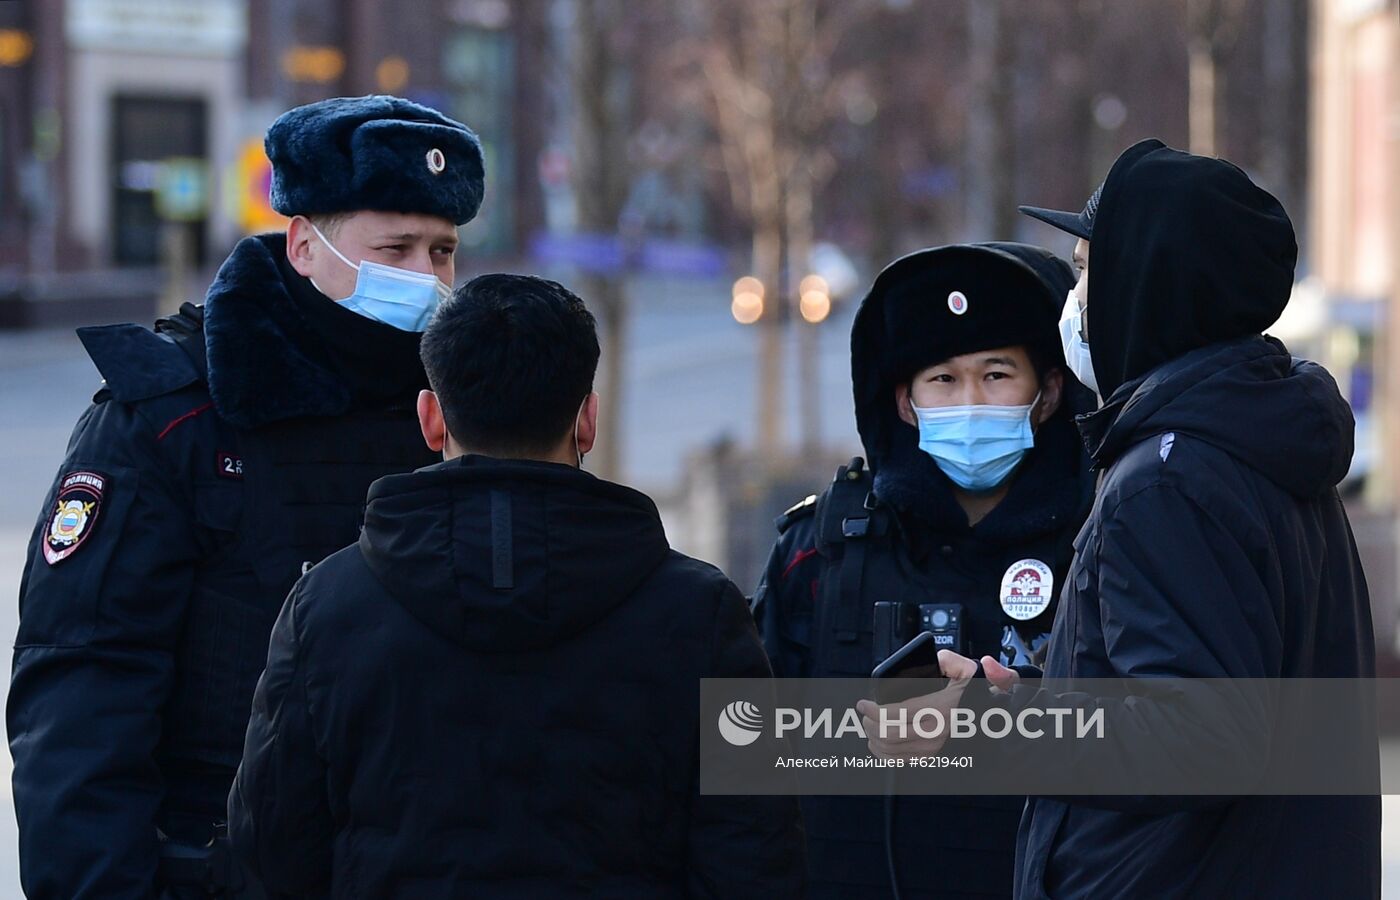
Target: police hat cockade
{"type": "Point", "coordinates": [947, 301]}
{"type": "Point", "coordinates": [377, 153]}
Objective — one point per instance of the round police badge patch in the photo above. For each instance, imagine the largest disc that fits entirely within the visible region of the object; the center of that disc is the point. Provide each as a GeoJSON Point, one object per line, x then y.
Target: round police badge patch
{"type": "Point", "coordinates": [957, 303]}
{"type": "Point", "coordinates": [75, 512]}
{"type": "Point", "coordinates": [437, 162]}
{"type": "Point", "coordinates": [1027, 589]}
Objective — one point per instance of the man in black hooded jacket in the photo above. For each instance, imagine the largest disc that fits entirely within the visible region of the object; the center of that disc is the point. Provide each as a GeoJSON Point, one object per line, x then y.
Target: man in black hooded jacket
{"type": "Point", "coordinates": [962, 330]}
{"type": "Point", "coordinates": [1217, 546]}
{"type": "Point", "coordinates": [495, 692]}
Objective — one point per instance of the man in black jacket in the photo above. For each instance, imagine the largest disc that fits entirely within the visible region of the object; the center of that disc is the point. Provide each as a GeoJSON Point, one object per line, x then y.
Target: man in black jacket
{"type": "Point", "coordinates": [1217, 547]}
{"type": "Point", "coordinates": [495, 692]}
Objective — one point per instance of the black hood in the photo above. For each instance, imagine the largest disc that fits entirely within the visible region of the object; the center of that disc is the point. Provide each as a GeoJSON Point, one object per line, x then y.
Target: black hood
{"type": "Point", "coordinates": [1187, 252]}
{"type": "Point", "coordinates": [1049, 485]}
{"type": "Point", "coordinates": [507, 555]}
{"type": "Point", "coordinates": [1281, 416]}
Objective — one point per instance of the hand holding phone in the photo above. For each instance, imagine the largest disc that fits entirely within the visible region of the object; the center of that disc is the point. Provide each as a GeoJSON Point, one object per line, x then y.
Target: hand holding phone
{"type": "Point", "coordinates": [917, 659]}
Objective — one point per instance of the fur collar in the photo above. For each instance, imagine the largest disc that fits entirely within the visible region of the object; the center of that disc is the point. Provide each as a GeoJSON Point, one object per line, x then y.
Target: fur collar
{"type": "Point", "coordinates": [265, 362]}
{"type": "Point", "coordinates": [1053, 489]}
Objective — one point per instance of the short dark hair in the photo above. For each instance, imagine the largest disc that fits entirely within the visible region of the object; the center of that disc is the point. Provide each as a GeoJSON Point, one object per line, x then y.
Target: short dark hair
{"type": "Point", "coordinates": [511, 359]}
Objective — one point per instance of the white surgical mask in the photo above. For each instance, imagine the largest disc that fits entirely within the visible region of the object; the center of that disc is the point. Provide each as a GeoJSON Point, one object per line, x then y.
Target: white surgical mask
{"type": "Point", "coordinates": [1075, 347]}
{"type": "Point", "coordinates": [398, 297]}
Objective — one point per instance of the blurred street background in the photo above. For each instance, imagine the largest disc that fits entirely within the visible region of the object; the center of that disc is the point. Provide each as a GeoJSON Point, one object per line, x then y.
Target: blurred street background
{"type": "Point", "coordinates": [719, 179]}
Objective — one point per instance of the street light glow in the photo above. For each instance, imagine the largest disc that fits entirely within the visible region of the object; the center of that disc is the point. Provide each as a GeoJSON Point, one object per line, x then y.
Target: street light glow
{"type": "Point", "coordinates": [748, 285]}
{"type": "Point", "coordinates": [747, 307]}
{"type": "Point", "coordinates": [815, 306]}
{"type": "Point", "coordinates": [815, 301]}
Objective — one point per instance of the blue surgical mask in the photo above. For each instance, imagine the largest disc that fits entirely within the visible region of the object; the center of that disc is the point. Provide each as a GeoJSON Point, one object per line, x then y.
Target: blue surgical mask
{"type": "Point", "coordinates": [399, 297]}
{"type": "Point", "coordinates": [977, 447]}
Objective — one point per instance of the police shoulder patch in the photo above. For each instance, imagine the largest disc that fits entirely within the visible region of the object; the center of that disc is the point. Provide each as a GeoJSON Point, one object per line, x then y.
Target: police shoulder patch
{"type": "Point", "coordinates": [75, 512]}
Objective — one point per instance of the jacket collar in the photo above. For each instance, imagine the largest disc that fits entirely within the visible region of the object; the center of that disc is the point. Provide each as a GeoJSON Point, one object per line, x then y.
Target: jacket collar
{"type": "Point", "coordinates": [1109, 430]}
{"type": "Point", "coordinates": [265, 362]}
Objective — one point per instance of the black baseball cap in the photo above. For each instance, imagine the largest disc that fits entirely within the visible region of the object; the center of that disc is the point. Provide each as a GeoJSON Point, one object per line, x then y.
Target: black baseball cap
{"type": "Point", "coordinates": [1080, 224]}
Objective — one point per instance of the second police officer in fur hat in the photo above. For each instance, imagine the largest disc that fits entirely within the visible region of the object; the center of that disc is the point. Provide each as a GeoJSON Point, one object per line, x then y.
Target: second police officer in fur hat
{"type": "Point", "coordinates": [961, 520]}
{"type": "Point", "coordinates": [228, 451]}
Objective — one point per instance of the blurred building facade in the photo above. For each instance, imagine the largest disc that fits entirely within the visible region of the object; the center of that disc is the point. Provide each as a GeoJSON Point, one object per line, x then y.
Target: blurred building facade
{"type": "Point", "coordinates": [131, 129]}
{"type": "Point", "coordinates": [1348, 309]}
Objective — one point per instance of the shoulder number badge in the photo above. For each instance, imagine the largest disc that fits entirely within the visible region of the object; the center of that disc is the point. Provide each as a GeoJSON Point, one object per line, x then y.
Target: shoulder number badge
{"type": "Point", "coordinates": [229, 465]}
{"type": "Point", "coordinates": [75, 512]}
{"type": "Point", "coordinates": [1027, 589]}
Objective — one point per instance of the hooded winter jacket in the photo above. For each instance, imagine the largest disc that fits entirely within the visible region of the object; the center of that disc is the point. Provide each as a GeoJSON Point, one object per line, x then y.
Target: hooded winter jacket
{"type": "Point", "coordinates": [495, 694]}
{"type": "Point", "coordinates": [1217, 546]}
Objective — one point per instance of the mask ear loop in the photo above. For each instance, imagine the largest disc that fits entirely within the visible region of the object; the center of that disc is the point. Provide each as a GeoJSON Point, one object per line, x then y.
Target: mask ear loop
{"type": "Point", "coordinates": [913, 408]}
{"type": "Point", "coordinates": [339, 255]}
{"type": "Point", "coordinates": [577, 418]}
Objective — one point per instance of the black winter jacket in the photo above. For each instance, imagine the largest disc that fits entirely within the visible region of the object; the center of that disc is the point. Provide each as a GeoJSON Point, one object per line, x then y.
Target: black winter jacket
{"type": "Point", "coordinates": [1217, 548]}
{"type": "Point", "coordinates": [495, 694]}
{"type": "Point", "coordinates": [923, 550]}
{"type": "Point", "coordinates": [196, 501]}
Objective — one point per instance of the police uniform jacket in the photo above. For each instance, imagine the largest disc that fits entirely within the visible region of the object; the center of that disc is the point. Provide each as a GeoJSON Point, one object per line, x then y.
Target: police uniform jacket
{"type": "Point", "coordinates": [900, 535]}
{"type": "Point", "coordinates": [214, 466]}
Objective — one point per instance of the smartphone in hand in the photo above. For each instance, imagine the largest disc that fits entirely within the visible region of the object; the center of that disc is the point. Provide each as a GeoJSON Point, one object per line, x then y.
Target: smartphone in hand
{"type": "Point", "coordinates": [910, 671]}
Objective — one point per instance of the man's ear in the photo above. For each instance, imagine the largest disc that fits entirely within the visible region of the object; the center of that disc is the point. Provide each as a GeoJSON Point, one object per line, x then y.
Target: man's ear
{"type": "Point", "coordinates": [1052, 391]}
{"type": "Point", "coordinates": [430, 420]}
{"type": "Point", "coordinates": [300, 239]}
{"type": "Point", "coordinates": [588, 423]}
{"type": "Point", "coordinates": [901, 404]}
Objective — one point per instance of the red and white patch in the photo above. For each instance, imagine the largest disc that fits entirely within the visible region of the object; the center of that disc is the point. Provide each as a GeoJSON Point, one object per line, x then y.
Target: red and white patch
{"type": "Point", "coordinates": [75, 513]}
{"type": "Point", "coordinates": [437, 161]}
{"type": "Point", "coordinates": [957, 303]}
{"type": "Point", "coordinates": [1027, 589]}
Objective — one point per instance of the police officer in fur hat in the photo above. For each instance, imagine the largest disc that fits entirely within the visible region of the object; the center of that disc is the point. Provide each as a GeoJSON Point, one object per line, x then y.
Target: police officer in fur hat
{"type": "Point", "coordinates": [961, 522]}
{"type": "Point", "coordinates": [226, 453]}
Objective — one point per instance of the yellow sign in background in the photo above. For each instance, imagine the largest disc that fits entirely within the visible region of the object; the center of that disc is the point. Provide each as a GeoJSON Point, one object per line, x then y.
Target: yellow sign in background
{"type": "Point", "coordinates": [247, 189]}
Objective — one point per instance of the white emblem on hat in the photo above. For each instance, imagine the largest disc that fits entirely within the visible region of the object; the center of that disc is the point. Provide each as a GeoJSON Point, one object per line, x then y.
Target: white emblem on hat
{"type": "Point", "coordinates": [436, 161]}
{"type": "Point", "coordinates": [1027, 589]}
{"type": "Point", "coordinates": [957, 302]}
